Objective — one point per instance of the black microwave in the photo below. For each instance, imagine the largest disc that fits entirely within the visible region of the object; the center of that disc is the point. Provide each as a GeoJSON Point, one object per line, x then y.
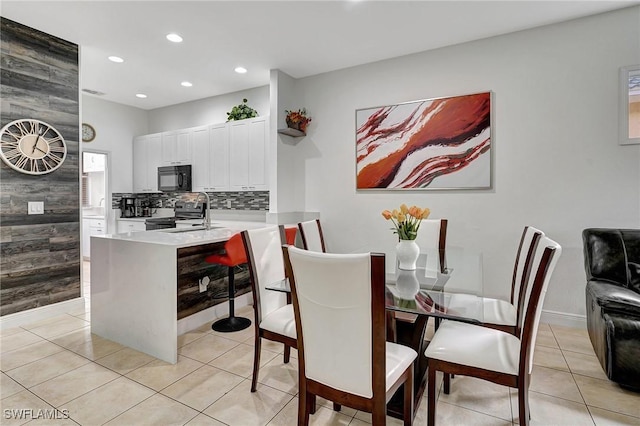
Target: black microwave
{"type": "Point", "coordinates": [174, 178]}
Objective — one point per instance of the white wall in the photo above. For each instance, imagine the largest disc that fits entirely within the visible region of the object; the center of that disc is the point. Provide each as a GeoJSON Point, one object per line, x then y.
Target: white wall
{"type": "Point", "coordinates": [557, 162]}
{"type": "Point", "coordinates": [211, 110]}
{"type": "Point", "coordinates": [116, 125]}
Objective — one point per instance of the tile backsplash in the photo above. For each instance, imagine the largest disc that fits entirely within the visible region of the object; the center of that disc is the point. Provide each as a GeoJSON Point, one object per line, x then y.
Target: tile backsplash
{"type": "Point", "coordinates": [246, 200]}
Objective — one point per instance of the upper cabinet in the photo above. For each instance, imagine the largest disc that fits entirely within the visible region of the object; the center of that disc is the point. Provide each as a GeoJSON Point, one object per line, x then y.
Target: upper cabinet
{"type": "Point", "coordinates": [248, 155]}
{"type": "Point", "coordinates": [224, 157]}
{"type": "Point", "coordinates": [146, 160]}
{"type": "Point", "coordinates": [176, 147]}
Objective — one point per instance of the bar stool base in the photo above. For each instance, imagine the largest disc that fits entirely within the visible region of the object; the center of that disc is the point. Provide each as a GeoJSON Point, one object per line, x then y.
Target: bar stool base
{"type": "Point", "coordinates": [231, 324]}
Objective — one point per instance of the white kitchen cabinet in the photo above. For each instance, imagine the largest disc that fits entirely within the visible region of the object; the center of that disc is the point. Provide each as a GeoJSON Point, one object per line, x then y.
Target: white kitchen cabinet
{"type": "Point", "coordinates": [123, 226]}
{"type": "Point", "coordinates": [176, 147]}
{"type": "Point", "coordinates": [200, 159]}
{"type": "Point", "coordinates": [248, 155]}
{"type": "Point", "coordinates": [91, 227]}
{"type": "Point", "coordinates": [211, 159]}
{"type": "Point", "coordinates": [146, 160]}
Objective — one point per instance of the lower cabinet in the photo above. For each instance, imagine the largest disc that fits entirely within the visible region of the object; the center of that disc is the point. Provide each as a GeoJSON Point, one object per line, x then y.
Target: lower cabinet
{"type": "Point", "coordinates": [91, 227]}
{"type": "Point", "coordinates": [123, 226]}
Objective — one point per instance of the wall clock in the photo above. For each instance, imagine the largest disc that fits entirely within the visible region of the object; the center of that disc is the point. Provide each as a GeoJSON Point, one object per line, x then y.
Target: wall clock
{"type": "Point", "coordinates": [32, 147]}
{"type": "Point", "coordinates": [88, 132]}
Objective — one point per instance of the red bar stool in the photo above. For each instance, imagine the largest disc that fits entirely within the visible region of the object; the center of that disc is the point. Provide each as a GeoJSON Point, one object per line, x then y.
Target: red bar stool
{"type": "Point", "coordinates": [235, 255]}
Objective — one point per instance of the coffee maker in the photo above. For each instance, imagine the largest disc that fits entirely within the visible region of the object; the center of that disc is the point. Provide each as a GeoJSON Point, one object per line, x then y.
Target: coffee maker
{"type": "Point", "coordinates": [128, 207]}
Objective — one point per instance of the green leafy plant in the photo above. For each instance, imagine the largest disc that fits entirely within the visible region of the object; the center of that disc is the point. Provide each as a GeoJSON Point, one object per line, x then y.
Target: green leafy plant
{"type": "Point", "coordinates": [241, 112]}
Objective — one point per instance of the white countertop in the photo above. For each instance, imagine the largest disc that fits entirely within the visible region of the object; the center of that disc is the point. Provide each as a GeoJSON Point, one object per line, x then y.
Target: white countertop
{"type": "Point", "coordinates": [222, 231]}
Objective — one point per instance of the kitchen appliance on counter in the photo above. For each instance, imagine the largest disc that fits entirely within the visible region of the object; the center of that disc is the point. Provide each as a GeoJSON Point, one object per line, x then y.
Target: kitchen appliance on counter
{"type": "Point", "coordinates": [182, 211]}
{"type": "Point", "coordinates": [174, 178]}
{"type": "Point", "coordinates": [128, 207]}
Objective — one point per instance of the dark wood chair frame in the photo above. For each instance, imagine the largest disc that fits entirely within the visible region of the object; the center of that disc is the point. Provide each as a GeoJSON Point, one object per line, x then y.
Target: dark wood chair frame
{"type": "Point", "coordinates": [259, 332]}
{"type": "Point", "coordinates": [522, 379]}
{"type": "Point", "coordinates": [377, 404]}
{"type": "Point", "coordinates": [304, 237]}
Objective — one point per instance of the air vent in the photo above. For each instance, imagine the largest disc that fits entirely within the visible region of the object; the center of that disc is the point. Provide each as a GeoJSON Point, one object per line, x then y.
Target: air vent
{"type": "Point", "coordinates": [94, 92]}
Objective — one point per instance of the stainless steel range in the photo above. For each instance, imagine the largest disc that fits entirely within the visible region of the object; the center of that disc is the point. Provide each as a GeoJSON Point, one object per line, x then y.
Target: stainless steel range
{"type": "Point", "coordinates": [182, 211]}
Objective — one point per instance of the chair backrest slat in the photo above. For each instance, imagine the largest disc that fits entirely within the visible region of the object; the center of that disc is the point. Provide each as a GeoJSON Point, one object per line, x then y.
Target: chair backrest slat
{"type": "Point", "coordinates": [311, 234]}
{"type": "Point", "coordinates": [544, 262]}
{"type": "Point", "coordinates": [340, 318]}
{"type": "Point", "coordinates": [266, 266]}
{"type": "Point", "coordinates": [526, 249]}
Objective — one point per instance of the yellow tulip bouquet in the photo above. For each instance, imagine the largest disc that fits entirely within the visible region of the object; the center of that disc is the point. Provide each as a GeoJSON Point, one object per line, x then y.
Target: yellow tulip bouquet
{"type": "Point", "coordinates": [406, 221]}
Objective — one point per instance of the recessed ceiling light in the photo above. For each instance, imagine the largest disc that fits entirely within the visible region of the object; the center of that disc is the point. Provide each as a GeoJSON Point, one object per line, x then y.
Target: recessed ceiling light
{"type": "Point", "coordinates": [240, 70]}
{"type": "Point", "coordinates": [116, 59]}
{"type": "Point", "coordinates": [186, 84]}
{"type": "Point", "coordinates": [174, 38]}
{"type": "Point", "coordinates": [141, 95]}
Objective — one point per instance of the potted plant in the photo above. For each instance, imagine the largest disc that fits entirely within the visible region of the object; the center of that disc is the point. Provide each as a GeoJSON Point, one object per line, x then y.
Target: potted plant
{"type": "Point", "coordinates": [297, 119]}
{"type": "Point", "coordinates": [241, 112]}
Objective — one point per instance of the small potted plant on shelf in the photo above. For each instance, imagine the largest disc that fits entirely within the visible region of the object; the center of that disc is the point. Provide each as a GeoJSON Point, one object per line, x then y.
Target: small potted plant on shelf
{"type": "Point", "coordinates": [241, 112]}
{"type": "Point", "coordinates": [297, 119]}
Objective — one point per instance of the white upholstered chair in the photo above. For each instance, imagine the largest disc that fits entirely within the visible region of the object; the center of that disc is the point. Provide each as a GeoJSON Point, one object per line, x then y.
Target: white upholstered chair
{"type": "Point", "coordinates": [343, 355]}
{"type": "Point", "coordinates": [490, 354]}
{"type": "Point", "coordinates": [274, 319]}
{"type": "Point", "coordinates": [311, 235]}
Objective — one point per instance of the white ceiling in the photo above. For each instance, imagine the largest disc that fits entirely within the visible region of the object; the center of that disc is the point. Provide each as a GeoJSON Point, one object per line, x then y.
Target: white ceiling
{"type": "Point", "coordinates": [301, 38]}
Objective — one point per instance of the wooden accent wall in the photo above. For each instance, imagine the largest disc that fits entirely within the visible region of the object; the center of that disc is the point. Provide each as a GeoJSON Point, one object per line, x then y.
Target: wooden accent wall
{"type": "Point", "coordinates": [39, 254]}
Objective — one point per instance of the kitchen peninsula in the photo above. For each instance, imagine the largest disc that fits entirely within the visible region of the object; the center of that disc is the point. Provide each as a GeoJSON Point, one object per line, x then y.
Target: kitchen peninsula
{"type": "Point", "coordinates": [147, 287]}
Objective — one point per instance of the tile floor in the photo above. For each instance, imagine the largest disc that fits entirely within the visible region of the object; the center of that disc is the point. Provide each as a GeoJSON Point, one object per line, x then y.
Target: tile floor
{"type": "Point", "coordinates": [59, 364]}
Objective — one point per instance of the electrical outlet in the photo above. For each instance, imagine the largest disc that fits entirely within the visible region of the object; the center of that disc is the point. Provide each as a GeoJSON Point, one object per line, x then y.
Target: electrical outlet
{"type": "Point", "coordinates": [203, 283]}
{"type": "Point", "coordinates": [228, 204]}
{"type": "Point", "coordinates": [35, 207]}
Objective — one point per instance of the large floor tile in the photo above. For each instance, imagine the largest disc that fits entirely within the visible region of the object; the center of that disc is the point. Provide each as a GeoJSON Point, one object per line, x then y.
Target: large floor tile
{"type": "Point", "coordinates": [18, 338]}
{"type": "Point", "coordinates": [555, 383]}
{"type": "Point", "coordinates": [75, 338]}
{"type": "Point", "coordinates": [269, 345]}
{"type": "Point", "coordinates": [202, 387]}
{"type": "Point", "coordinates": [479, 395]}
{"type": "Point", "coordinates": [22, 407]}
{"type": "Point", "coordinates": [125, 360]}
{"type": "Point", "coordinates": [585, 365]}
{"type": "Point", "coordinates": [207, 348]}
{"type": "Point", "coordinates": [609, 418]}
{"type": "Point", "coordinates": [108, 401]}
{"type": "Point", "coordinates": [47, 368]}
{"type": "Point", "coordinates": [548, 410]}
{"type": "Point", "coordinates": [609, 396]}
{"type": "Point", "coordinates": [239, 336]}
{"type": "Point", "coordinates": [57, 328]}
{"type": "Point", "coordinates": [347, 411]}
{"type": "Point", "coordinates": [448, 414]}
{"type": "Point", "coordinates": [159, 374]}
{"type": "Point", "coordinates": [204, 420]}
{"type": "Point", "coordinates": [323, 416]}
{"type": "Point", "coordinates": [279, 375]}
{"type": "Point", "coordinates": [96, 348]}
{"type": "Point", "coordinates": [46, 321]}
{"type": "Point", "coordinates": [239, 360]}
{"type": "Point", "coordinates": [8, 386]}
{"type": "Point", "coordinates": [193, 335]}
{"type": "Point", "coordinates": [573, 339]}
{"type": "Point", "coordinates": [546, 338]}
{"type": "Point", "coordinates": [157, 410]}
{"type": "Point", "coordinates": [242, 407]}
{"type": "Point", "coordinates": [550, 358]}
{"type": "Point", "coordinates": [71, 385]}
{"type": "Point", "coordinates": [27, 354]}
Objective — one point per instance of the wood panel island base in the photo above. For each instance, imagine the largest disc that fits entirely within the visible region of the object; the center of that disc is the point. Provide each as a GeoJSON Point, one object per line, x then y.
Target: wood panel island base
{"type": "Point", "coordinates": [143, 283]}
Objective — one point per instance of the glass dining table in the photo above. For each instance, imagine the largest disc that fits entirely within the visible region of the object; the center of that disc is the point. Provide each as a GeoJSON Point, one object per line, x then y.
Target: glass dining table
{"type": "Point", "coordinates": [447, 284]}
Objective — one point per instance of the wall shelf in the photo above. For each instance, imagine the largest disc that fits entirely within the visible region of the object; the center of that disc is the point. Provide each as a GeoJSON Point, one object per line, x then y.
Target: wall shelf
{"type": "Point", "coordinates": [292, 132]}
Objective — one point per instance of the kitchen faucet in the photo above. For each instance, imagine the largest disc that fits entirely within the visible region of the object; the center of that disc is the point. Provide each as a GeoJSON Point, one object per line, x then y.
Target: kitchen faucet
{"type": "Point", "coordinates": [206, 220]}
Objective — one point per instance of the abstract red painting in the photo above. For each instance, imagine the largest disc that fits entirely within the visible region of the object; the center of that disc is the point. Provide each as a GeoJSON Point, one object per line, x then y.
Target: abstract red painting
{"type": "Point", "coordinates": [442, 143]}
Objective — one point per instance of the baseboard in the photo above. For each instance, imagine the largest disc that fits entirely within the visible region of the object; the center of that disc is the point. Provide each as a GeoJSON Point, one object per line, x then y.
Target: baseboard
{"type": "Point", "coordinates": [207, 316]}
{"type": "Point", "coordinates": [42, 312]}
{"type": "Point", "coordinates": [564, 319]}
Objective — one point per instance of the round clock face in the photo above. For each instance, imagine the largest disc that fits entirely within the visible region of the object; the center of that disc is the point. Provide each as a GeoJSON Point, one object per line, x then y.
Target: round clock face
{"type": "Point", "coordinates": [32, 147]}
{"type": "Point", "coordinates": [88, 132]}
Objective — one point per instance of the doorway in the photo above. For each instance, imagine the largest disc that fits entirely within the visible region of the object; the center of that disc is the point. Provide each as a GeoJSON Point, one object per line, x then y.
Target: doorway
{"type": "Point", "coordinates": [96, 205]}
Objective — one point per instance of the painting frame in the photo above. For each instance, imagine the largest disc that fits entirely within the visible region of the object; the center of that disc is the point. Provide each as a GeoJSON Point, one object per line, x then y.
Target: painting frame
{"type": "Point", "coordinates": [433, 144]}
{"type": "Point", "coordinates": [627, 92]}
